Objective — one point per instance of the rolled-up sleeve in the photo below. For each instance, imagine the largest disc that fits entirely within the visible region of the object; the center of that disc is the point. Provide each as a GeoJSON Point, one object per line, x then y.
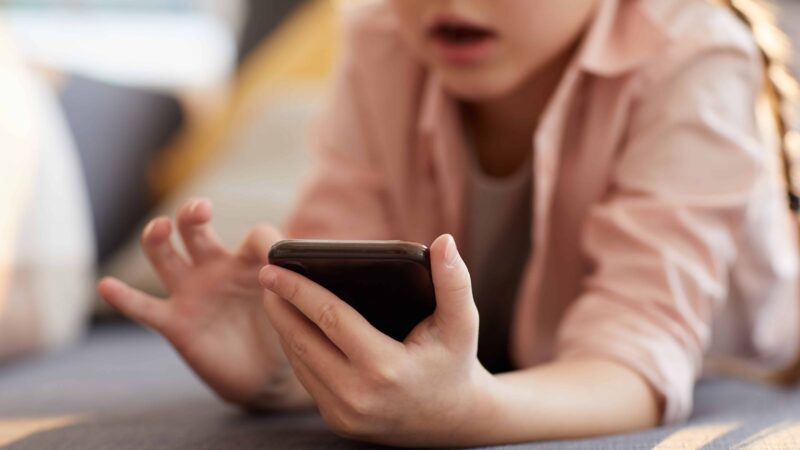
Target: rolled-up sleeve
{"type": "Point", "coordinates": [662, 241]}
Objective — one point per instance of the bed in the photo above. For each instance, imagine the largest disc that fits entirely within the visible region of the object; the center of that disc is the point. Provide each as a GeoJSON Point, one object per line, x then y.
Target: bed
{"type": "Point", "coordinates": [124, 388]}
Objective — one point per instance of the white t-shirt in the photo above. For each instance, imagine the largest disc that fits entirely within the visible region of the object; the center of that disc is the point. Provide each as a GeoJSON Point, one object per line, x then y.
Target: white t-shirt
{"type": "Point", "coordinates": [499, 244]}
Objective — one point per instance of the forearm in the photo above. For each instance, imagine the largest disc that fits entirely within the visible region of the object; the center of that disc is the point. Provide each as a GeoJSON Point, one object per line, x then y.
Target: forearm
{"type": "Point", "coordinates": [563, 400]}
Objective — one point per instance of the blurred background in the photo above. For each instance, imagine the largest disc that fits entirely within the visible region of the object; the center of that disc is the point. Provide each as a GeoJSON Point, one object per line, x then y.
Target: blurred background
{"type": "Point", "coordinates": [113, 111]}
{"type": "Point", "coordinates": [117, 110]}
{"type": "Point", "coordinates": [134, 79]}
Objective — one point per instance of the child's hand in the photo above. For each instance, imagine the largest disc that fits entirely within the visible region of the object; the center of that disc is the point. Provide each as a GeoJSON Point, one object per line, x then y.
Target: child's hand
{"type": "Point", "coordinates": [425, 391]}
{"type": "Point", "coordinates": [214, 316]}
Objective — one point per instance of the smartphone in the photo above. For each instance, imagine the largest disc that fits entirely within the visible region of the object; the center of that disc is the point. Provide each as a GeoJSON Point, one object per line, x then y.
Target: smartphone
{"type": "Point", "coordinates": [387, 282]}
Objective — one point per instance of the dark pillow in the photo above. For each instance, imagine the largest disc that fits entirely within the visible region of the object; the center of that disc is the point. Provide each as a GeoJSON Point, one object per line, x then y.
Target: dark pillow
{"type": "Point", "coordinates": [118, 130]}
{"type": "Point", "coordinates": [262, 18]}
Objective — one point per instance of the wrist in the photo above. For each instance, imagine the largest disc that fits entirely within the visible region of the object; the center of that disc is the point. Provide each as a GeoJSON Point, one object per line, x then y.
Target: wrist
{"type": "Point", "coordinates": [479, 412]}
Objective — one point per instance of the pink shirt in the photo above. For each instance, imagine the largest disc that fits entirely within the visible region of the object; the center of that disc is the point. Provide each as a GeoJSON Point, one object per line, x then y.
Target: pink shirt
{"type": "Point", "coordinates": [657, 198]}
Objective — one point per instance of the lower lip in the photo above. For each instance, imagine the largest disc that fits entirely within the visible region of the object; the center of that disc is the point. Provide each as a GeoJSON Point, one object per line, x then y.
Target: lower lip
{"type": "Point", "coordinates": [465, 55]}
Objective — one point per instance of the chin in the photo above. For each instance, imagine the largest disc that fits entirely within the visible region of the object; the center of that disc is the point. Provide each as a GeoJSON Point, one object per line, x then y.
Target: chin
{"type": "Point", "coordinates": [478, 85]}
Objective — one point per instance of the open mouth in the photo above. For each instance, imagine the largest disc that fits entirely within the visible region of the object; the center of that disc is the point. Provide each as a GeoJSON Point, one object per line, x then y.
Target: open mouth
{"type": "Point", "coordinates": [459, 42]}
{"type": "Point", "coordinates": [459, 34]}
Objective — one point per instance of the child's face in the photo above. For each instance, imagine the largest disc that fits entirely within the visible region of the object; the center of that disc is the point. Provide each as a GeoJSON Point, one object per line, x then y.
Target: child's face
{"type": "Point", "coordinates": [485, 49]}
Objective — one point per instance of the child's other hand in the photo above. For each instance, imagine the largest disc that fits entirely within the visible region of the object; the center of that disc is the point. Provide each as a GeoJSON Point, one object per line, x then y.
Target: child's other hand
{"type": "Point", "coordinates": [214, 315]}
{"type": "Point", "coordinates": [425, 391]}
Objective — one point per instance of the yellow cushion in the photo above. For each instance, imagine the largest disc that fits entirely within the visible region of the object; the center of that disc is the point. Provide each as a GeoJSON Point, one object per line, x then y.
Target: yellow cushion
{"type": "Point", "coordinates": [301, 50]}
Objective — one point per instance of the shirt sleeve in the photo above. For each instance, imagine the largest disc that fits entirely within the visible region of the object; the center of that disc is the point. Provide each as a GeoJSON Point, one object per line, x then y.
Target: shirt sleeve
{"type": "Point", "coordinates": [662, 241]}
{"type": "Point", "coordinates": [344, 195]}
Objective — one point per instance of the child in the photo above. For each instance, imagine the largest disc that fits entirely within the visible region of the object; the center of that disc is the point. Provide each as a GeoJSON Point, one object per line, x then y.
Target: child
{"type": "Point", "coordinates": [602, 168]}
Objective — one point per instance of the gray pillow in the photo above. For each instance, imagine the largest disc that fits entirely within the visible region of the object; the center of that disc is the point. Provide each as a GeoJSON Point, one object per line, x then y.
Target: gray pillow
{"type": "Point", "coordinates": [117, 130]}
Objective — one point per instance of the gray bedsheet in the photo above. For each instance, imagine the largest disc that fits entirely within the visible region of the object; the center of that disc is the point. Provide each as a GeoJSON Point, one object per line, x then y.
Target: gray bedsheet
{"type": "Point", "coordinates": [124, 388]}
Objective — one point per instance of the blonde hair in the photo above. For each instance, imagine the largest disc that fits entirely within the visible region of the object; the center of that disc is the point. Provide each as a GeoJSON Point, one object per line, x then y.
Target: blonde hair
{"type": "Point", "coordinates": [782, 92]}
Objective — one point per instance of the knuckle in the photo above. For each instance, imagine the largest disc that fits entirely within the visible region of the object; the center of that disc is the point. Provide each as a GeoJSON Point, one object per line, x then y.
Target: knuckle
{"type": "Point", "coordinates": [385, 375]}
{"type": "Point", "coordinates": [288, 289]}
{"type": "Point", "coordinates": [460, 290]}
{"type": "Point", "coordinates": [340, 423]}
{"type": "Point", "coordinates": [354, 419]}
{"type": "Point", "coordinates": [328, 317]}
{"type": "Point", "coordinates": [360, 409]}
{"type": "Point", "coordinates": [297, 345]}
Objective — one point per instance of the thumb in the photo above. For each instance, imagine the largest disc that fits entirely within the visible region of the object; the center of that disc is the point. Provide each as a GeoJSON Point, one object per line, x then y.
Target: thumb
{"type": "Point", "coordinates": [456, 313]}
{"type": "Point", "coordinates": [255, 247]}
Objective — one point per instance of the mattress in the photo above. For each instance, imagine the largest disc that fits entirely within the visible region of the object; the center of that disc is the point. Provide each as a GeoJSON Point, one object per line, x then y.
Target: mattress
{"type": "Point", "coordinates": [123, 387]}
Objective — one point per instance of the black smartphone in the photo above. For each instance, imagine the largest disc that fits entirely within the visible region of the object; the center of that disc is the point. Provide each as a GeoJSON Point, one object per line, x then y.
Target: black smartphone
{"type": "Point", "coordinates": [387, 282]}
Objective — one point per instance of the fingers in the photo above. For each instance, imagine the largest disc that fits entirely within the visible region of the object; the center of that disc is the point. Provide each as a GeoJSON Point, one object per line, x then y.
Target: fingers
{"type": "Point", "coordinates": [310, 381]}
{"type": "Point", "coordinates": [170, 266]}
{"type": "Point", "coordinates": [200, 240]}
{"type": "Point", "coordinates": [301, 339]}
{"type": "Point", "coordinates": [255, 247]}
{"type": "Point", "coordinates": [343, 325]}
{"type": "Point", "coordinates": [137, 305]}
{"type": "Point", "coordinates": [456, 312]}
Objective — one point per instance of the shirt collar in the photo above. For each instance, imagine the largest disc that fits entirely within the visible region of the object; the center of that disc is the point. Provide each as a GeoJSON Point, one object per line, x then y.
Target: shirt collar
{"type": "Point", "coordinates": [621, 38]}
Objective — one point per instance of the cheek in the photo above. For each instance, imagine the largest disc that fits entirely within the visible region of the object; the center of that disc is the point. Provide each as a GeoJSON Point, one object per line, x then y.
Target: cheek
{"type": "Point", "coordinates": [409, 14]}
{"type": "Point", "coordinates": [547, 28]}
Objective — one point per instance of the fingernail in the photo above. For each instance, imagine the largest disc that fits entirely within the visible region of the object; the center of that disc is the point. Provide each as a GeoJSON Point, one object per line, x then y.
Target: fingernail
{"type": "Point", "coordinates": [268, 279]}
{"type": "Point", "coordinates": [149, 228]}
{"type": "Point", "coordinates": [195, 206]}
{"type": "Point", "coordinates": [109, 284]}
{"type": "Point", "coordinates": [451, 256]}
